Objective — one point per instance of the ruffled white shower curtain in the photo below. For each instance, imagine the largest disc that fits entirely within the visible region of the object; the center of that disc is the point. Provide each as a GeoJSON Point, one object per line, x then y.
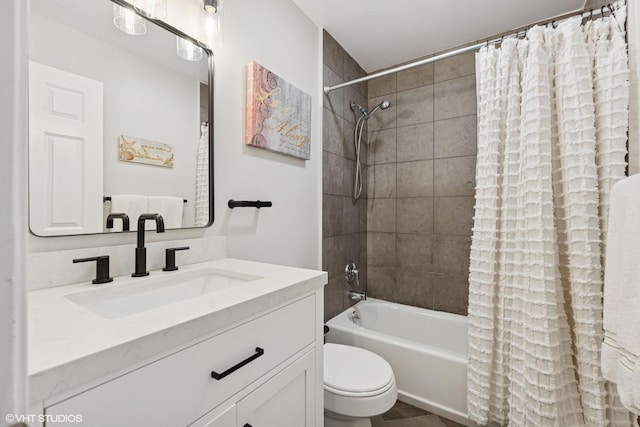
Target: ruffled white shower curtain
{"type": "Point", "coordinates": [202, 178]}
{"type": "Point", "coordinates": [552, 123]}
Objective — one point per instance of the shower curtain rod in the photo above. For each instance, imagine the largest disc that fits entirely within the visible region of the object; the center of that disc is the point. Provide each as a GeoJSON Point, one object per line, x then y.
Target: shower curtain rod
{"type": "Point", "coordinates": [584, 14]}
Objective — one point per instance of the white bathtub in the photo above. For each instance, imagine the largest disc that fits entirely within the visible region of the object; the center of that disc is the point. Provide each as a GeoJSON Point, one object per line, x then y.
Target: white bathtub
{"type": "Point", "coordinates": [427, 350]}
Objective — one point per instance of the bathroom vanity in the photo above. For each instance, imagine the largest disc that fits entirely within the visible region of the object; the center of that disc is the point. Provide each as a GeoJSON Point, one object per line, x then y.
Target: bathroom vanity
{"type": "Point", "coordinates": [221, 343]}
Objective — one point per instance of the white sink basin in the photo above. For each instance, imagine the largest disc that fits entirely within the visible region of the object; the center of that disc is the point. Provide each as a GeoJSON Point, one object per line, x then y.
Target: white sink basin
{"type": "Point", "coordinates": [159, 289]}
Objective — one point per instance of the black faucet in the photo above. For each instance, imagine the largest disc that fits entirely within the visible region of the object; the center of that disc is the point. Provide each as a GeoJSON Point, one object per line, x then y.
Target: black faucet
{"type": "Point", "coordinates": [123, 216]}
{"type": "Point", "coordinates": [141, 251]}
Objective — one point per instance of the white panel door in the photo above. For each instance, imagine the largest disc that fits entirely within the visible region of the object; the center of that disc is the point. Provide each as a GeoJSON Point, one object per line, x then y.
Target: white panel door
{"type": "Point", "coordinates": [65, 152]}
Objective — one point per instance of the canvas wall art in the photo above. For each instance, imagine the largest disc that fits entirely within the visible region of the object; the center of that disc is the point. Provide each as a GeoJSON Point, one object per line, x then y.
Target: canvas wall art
{"type": "Point", "coordinates": [278, 114]}
{"type": "Point", "coordinates": [137, 150]}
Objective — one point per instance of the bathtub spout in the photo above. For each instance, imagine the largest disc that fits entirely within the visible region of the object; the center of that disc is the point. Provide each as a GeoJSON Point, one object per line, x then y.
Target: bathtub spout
{"type": "Point", "coordinates": [357, 296]}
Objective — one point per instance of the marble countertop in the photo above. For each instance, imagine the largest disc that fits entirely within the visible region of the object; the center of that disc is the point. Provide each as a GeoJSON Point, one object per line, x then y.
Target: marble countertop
{"type": "Point", "coordinates": [70, 346]}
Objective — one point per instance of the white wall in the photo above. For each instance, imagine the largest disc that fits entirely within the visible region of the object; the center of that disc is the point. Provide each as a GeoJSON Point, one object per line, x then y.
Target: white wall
{"type": "Point", "coordinates": [133, 106]}
{"type": "Point", "coordinates": [633, 26]}
{"type": "Point", "coordinates": [279, 36]}
{"type": "Point", "coordinates": [13, 208]}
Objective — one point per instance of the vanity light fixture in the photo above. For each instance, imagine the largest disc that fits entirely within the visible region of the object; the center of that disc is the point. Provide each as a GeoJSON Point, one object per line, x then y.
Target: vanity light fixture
{"type": "Point", "coordinates": [154, 9]}
{"type": "Point", "coordinates": [187, 50]}
{"type": "Point", "coordinates": [211, 6]}
{"type": "Point", "coordinates": [127, 21]}
{"type": "Point", "coordinates": [212, 21]}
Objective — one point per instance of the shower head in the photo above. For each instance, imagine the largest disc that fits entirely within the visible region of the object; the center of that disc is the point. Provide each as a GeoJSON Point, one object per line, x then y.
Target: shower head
{"type": "Point", "coordinates": [365, 114]}
{"type": "Point", "coordinates": [382, 106]}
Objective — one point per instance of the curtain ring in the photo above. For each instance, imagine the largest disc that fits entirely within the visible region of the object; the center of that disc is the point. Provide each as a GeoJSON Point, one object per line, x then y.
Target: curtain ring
{"type": "Point", "coordinates": [602, 10]}
{"type": "Point", "coordinates": [553, 24]}
{"type": "Point", "coordinates": [611, 10]}
{"type": "Point", "coordinates": [591, 15]}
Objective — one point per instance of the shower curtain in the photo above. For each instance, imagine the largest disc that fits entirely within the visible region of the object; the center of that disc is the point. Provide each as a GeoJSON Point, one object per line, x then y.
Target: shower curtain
{"type": "Point", "coordinates": [552, 132]}
{"type": "Point", "coordinates": [202, 178]}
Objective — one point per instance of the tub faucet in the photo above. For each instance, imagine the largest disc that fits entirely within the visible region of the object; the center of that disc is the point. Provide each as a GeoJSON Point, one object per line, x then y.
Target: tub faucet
{"type": "Point", "coordinates": [357, 296]}
{"type": "Point", "coordinates": [141, 251]}
{"type": "Point", "coordinates": [352, 273]}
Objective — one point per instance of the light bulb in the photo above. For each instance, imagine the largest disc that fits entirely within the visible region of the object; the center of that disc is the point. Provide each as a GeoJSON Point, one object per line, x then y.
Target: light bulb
{"type": "Point", "coordinates": [127, 21]}
{"type": "Point", "coordinates": [155, 9]}
{"type": "Point", "coordinates": [211, 6]}
{"type": "Point", "coordinates": [187, 50]}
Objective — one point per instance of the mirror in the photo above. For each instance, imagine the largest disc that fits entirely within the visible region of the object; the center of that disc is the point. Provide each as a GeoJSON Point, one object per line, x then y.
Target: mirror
{"type": "Point", "coordinates": [118, 123]}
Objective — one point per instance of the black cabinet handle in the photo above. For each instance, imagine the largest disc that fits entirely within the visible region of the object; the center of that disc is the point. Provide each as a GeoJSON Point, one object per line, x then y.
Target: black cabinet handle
{"type": "Point", "coordinates": [217, 376]}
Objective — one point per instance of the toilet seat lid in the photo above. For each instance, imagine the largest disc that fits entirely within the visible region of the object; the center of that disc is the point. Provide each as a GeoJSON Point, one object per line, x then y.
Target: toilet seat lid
{"type": "Point", "coordinates": [353, 370]}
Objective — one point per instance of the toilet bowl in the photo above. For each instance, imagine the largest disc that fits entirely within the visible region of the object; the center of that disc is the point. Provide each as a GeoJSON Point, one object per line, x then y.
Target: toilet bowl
{"type": "Point", "coordinates": [358, 385]}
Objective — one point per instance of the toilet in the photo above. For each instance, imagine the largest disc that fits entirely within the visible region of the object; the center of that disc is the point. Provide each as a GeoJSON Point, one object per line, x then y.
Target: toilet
{"type": "Point", "coordinates": [358, 385]}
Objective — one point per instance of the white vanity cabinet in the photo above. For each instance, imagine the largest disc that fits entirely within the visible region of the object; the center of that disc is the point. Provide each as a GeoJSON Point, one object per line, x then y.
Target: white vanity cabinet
{"type": "Point", "coordinates": [286, 400]}
{"type": "Point", "coordinates": [225, 418]}
{"type": "Point", "coordinates": [261, 373]}
{"type": "Point", "coordinates": [283, 401]}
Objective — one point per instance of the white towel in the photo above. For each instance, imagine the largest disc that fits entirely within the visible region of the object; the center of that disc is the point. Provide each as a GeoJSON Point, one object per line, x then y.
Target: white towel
{"type": "Point", "coordinates": [133, 205]}
{"type": "Point", "coordinates": [169, 207]}
{"type": "Point", "coordinates": [621, 347]}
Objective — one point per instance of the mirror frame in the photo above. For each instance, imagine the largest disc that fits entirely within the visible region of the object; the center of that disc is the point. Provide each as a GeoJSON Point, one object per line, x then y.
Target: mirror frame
{"type": "Point", "coordinates": [210, 66]}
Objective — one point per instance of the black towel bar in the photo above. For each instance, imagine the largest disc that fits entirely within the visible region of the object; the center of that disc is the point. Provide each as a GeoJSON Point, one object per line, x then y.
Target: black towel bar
{"type": "Point", "coordinates": [108, 199]}
{"type": "Point", "coordinates": [248, 204]}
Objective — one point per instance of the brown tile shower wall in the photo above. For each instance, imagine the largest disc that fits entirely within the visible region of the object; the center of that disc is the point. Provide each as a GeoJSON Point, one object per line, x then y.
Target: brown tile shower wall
{"type": "Point", "coordinates": [421, 181]}
{"type": "Point", "coordinates": [593, 4]}
{"type": "Point", "coordinates": [343, 221]}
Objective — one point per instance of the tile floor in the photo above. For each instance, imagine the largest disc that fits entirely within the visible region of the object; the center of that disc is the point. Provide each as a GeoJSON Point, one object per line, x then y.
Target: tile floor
{"type": "Point", "coordinates": [405, 415]}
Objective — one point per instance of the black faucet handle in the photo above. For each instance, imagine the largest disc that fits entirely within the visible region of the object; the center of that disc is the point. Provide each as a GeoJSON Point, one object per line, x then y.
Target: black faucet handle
{"type": "Point", "coordinates": [170, 258]}
{"type": "Point", "coordinates": [102, 268]}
